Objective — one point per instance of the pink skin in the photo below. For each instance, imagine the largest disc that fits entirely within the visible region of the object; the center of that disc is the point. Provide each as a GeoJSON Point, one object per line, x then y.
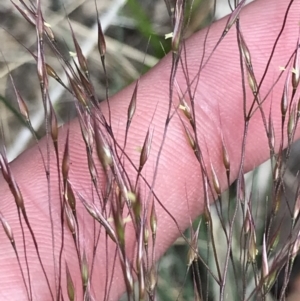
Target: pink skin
{"type": "Point", "coordinates": [178, 184]}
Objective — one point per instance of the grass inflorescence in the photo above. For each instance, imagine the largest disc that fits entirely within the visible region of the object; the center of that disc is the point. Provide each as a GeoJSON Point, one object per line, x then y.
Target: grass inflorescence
{"type": "Point", "coordinates": [104, 207]}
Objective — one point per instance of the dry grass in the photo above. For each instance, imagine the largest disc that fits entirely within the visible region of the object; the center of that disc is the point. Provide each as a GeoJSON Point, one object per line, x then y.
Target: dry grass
{"type": "Point", "coordinates": [255, 253]}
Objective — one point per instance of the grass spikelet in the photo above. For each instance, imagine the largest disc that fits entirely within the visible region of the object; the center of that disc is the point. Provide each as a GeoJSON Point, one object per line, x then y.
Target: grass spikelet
{"type": "Point", "coordinates": [95, 213]}
{"type": "Point", "coordinates": [226, 160]}
{"type": "Point", "coordinates": [265, 265]}
{"type": "Point", "coordinates": [65, 167]}
{"type": "Point", "coordinates": [101, 38]}
{"type": "Point", "coordinates": [22, 105]}
{"type": "Point", "coordinates": [190, 139]}
{"type": "Point", "coordinates": [70, 221]}
{"type": "Point", "coordinates": [187, 111]}
{"type": "Point", "coordinates": [41, 68]}
{"type": "Point", "coordinates": [132, 107]}
{"type": "Point", "coordinates": [271, 136]}
{"type": "Point", "coordinates": [252, 249]}
{"type": "Point", "coordinates": [14, 188]}
{"type": "Point", "coordinates": [233, 17]}
{"type": "Point", "coordinates": [9, 233]}
{"type": "Point", "coordinates": [284, 100]}
{"type": "Point", "coordinates": [146, 237]}
{"type": "Point", "coordinates": [70, 284]}
{"type": "Point", "coordinates": [178, 26]}
{"type": "Point", "coordinates": [296, 246]}
{"type": "Point", "coordinates": [153, 222]}
{"type": "Point", "coordinates": [146, 149]}
{"type": "Point", "coordinates": [4, 167]}
{"type": "Point", "coordinates": [277, 171]}
{"type": "Point", "coordinates": [80, 94]}
{"type": "Point", "coordinates": [39, 23]}
{"type": "Point", "coordinates": [273, 241]}
{"type": "Point", "coordinates": [70, 196]}
{"type": "Point", "coordinates": [7, 229]}
{"type": "Point", "coordinates": [92, 168]}
{"type": "Point", "coordinates": [136, 206]}
{"type": "Point", "coordinates": [296, 71]}
{"type": "Point", "coordinates": [128, 277]}
{"type": "Point", "coordinates": [86, 130]}
{"type": "Point", "coordinates": [54, 128]}
{"type": "Point", "coordinates": [247, 222]}
{"type": "Point", "coordinates": [103, 150]}
{"type": "Point", "coordinates": [245, 51]}
{"type": "Point", "coordinates": [252, 82]}
{"type": "Point", "coordinates": [25, 12]}
{"type": "Point", "coordinates": [140, 263]}
{"type": "Point", "coordinates": [216, 182]}
{"type": "Point", "coordinates": [52, 73]}
{"type": "Point", "coordinates": [121, 182]}
{"type": "Point", "coordinates": [84, 272]}
{"type": "Point", "coordinates": [291, 124]}
{"type": "Point", "coordinates": [120, 229]}
{"type": "Point", "coordinates": [193, 249]}
{"type": "Point", "coordinates": [49, 32]}
{"type": "Point", "coordinates": [152, 282]}
{"type": "Point", "coordinates": [81, 59]}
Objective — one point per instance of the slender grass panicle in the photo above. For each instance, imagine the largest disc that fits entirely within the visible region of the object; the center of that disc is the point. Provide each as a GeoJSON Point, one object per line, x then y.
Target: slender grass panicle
{"type": "Point", "coordinates": [153, 193]}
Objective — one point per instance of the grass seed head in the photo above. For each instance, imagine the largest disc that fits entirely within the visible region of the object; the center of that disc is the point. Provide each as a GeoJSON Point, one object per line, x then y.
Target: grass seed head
{"type": "Point", "coordinates": [66, 160]}
{"type": "Point", "coordinates": [136, 206]}
{"type": "Point", "coordinates": [21, 103]}
{"type": "Point", "coordinates": [39, 22]}
{"type": "Point", "coordinates": [94, 212]}
{"type": "Point", "coordinates": [146, 236]}
{"type": "Point", "coordinates": [84, 270]}
{"type": "Point", "coordinates": [146, 149]}
{"type": "Point", "coordinates": [28, 15]}
{"type": "Point", "coordinates": [178, 25]}
{"type": "Point", "coordinates": [7, 229]}
{"type": "Point", "coordinates": [81, 58]}
{"type": "Point", "coordinates": [101, 39]}
{"type": "Point", "coordinates": [92, 168]}
{"type": "Point", "coordinates": [119, 227]}
{"type": "Point", "coordinates": [103, 150]}
{"type": "Point", "coordinates": [132, 105]}
{"type": "Point", "coordinates": [271, 133]}
{"type": "Point", "coordinates": [190, 138]}
{"type": "Point", "coordinates": [71, 197]}
{"type": "Point", "coordinates": [233, 17]}
{"type": "Point", "coordinates": [79, 93]}
{"type": "Point", "coordinates": [285, 99]}
{"type": "Point", "coordinates": [17, 194]}
{"type": "Point", "coordinates": [70, 285]}
{"type": "Point", "coordinates": [265, 265]}
{"type": "Point", "coordinates": [252, 81]}
{"type": "Point", "coordinates": [273, 241]}
{"type": "Point", "coordinates": [187, 111]}
{"type": "Point", "coordinates": [295, 71]}
{"type": "Point", "coordinates": [252, 249]}
{"type": "Point", "coordinates": [4, 168]}
{"type": "Point", "coordinates": [245, 51]}
{"type": "Point", "coordinates": [70, 219]}
{"type": "Point", "coordinates": [54, 126]}
{"type": "Point", "coordinates": [216, 182]}
{"type": "Point", "coordinates": [152, 279]}
{"type": "Point", "coordinates": [153, 220]}
{"type": "Point", "coordinates": [291, 122]}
